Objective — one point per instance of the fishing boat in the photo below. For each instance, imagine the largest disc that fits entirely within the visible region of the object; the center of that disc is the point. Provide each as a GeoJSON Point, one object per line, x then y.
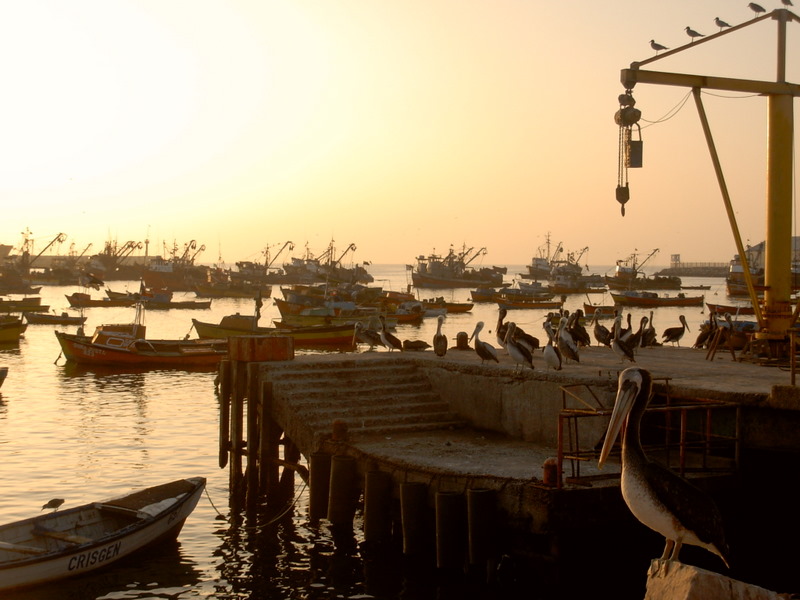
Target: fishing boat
{"type": "Point", "coordinates": [449, 307]}
{"type": "Point", "coordinates": [231, 290]}
{"type": "Point", "coordinates": [3, 375]}
{"type": "Point", "coordinates": [76, 541]}
{"type": "Point", "coordinates": [653, 300]}
{"type": "Point", "coordinates": [11, 329]}
{"type": "Point", "coordinates": [84, 300]}
{"type": "Point", "coordinates": [628, 275]}
{"type": "Point", "coordinates": [541, 264]}
{"type": "Point", "coordinates": [743, 309]}
{"type": "Point", "coordinates": [453, 271]}
{"type": "Point", "coordinates": [36, 318]}
{"type": "Point", "coordinates": [158, 299]}
{"type": "Point", "coordinates": [304, 336]}
{"type": "Point", "coordinates": [606, 311]}
{"type": "Point", "coordinates": [509, 304]}
{"type": "Point", "coordinates": [23, 305]}
{"type": "Point", "coordinates": [127, 345]}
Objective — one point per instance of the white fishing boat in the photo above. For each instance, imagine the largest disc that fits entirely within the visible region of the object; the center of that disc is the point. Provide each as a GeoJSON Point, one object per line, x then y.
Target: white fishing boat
{"type": "Point", "coordinates": [65, 543]}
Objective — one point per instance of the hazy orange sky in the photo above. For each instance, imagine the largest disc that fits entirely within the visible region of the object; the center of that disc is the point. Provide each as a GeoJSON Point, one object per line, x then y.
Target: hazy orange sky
{"type": "Point", "coordinates": [403, 126]}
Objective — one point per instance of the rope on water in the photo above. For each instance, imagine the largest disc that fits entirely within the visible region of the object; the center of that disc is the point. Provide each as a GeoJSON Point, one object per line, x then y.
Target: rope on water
{"type": "Point", "coordinates": [213, 506]}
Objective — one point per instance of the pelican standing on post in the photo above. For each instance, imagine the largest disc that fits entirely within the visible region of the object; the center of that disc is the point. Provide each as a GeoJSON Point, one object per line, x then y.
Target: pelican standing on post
{"type": "Point", "coordinates": [659, 498]}
{"type": "Point", "coordinates": [439, 339]}
{"type": "Point", "coordinates": [485, 350]}
{"type": "Point", "coordinates": [518, 352]}
{"type": "Point", "coordinates": [387, 339]}
{"type": "Point", "coordinates": [674, 334]}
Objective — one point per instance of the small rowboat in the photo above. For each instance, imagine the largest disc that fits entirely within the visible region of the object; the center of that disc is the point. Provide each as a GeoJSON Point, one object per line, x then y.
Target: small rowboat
{"type": "Point", "coordinates": [11, 329]}
{"type": "Point", "coordinates": [315, 335]}
{"type": "Point", "coordinates": [82, 300]}
{"type": "Point", "coordinates": [54, 319]}
{"type": "Point", "coordinates": [530, 304]}
{"type": "Point", "coordinates": [733, 310]}
{"type": "Point", "coordinates": [76, 541]}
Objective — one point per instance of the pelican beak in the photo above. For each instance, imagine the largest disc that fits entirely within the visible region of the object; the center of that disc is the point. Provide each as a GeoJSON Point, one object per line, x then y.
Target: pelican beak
{"type": "Point", "coordinates": [626, 394]}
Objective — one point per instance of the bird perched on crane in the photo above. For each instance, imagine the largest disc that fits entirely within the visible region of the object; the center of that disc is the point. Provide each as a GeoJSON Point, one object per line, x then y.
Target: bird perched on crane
{"type": "Point", "coordinates": [519, 352]}
{"type": "Point", "coordinates": [756, 8]}
{"type": "Point", "coordinates": [484, 349]}
{"type": "Point", "coordinates": [439, 339]}
{"type": "Point", "coordinates": [657, 47]}
{"type": "Point", "coordinates": [674, 334]}
{"type": "Point", "coordinates": [658, 497]}
{"type": "Point", "coordinates": [389, 340]}
{"type": "Point", "coordinates": [693, 34]}
{"type": "Point", "coordinates": [720, 23]}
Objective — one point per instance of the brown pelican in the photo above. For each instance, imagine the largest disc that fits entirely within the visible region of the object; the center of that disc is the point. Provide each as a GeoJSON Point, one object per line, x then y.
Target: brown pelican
{"type": "Point", "coordinates": [54, 503]}
{"type": "Point", "coordinates": [720, 23]}
{"type": "Point", "coordinates": [756, 8]}
{"type": "Point", "coordinates": [600, 331]}
{"type": "Point", "coordinates": [439, 339]}
{"type": "Point", "coordinates": [620, 346]}
{"type": "Point", "coordinates": [656, 46]}
{"type": "Point", "coordinates": [577, 330]}
{"type": "Point", "coordinates": [692, 33]}
{"type": "Point", "coordinates": [485, 350]}
{"type": "Point", "coordinates": [526, 339]}
{"type": "Point", "coordinates": [635, 340]}
{"type": "Point", "coordinates": [501, 328]}
{"type": "Point", "coordinates": [552, 355]}
{"type": "Point", "coordinates": [415, 345]}
{"type": "Point", "coordinates": [649, 336]}
{"type": "Point", "coordinates": [366, 336]}
{"type": "Point", "coordinates": [674, 334]}
{"type": "Point", "coordinates": [387, 339]}
{"type": "Point", "coordinates": [658, 497]}
{"type": "Point", "coordinates": [565, 343]}
{"type": "Point", "coordinates": [517, 351]}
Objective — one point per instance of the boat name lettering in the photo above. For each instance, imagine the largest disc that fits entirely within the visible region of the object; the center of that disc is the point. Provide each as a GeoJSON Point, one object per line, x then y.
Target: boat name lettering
{"type": "Point", "coordinates": [88, 559]}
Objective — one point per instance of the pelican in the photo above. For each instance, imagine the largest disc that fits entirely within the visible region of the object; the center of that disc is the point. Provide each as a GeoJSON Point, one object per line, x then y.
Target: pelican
{"type": "Point", "coordinates": [656, 46]}
{"type": "Point", "coordinates": [439, 339]}
{"type": "Point", "coordinates": [756, 8]}
{"type": "Point", "coordinates": [485, 350]}
{"type": "Point", "coordinates": [620, 346]}
{"type": "Point", "coordinates": [577, 330]}
{"type": "Point", "coordinates": [517, 351]}
{"type": "Point", "coordinates": [415, 345]}
{"type": "Point", "coordinates": [387, 339]}
{"type": "Point", "coordinates": [692, 33]}
{"type": "Point", "coordinates": [659, 498]}
{"type": "Point", "coordinates": [552, 355]}
{"type": "Point", "coordinates": [501, 328]}
{"type": "Point", "coordinates": [649, 336]}
{"type": "Point", "coordinates": [565, 343]}
{"type": "Point", "coordinates": [720, 23]}
{"type": "Point", "coordinates": [366, 336]}
{"type": "Point", "coordinates": [635, 339]}
{"type": "Point", "coordinates": [526, 339]}
{"type": "Point", "coordinates": [674, 334]}
{"type": "Point", "coordinates": [600, 331]}
{"type": "Point", "coordinates": [54, 503]}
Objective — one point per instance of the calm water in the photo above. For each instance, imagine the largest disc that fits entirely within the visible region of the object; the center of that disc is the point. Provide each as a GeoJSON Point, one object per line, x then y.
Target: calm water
{"type": "Point", "coordinates": [85, 435]}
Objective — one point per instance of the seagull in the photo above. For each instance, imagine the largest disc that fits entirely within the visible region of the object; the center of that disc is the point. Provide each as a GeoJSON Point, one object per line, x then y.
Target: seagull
{"type": "Point", "coordinates": [656, 46]}
{"type": "Point", "coordinates": [787, 2]}
{"type": "Point", "coordinates": [658, 497]}
{"type": "Point", "coordinates": [693, 34]}
{"type": "Point", "coordinates": [756, 8]}
{"type": "Point", "coordinates": [485, 350]}
{"type": "Point", "coordinates": [720, 23]}
{"type": "Point", "coordinates": [54, 503]}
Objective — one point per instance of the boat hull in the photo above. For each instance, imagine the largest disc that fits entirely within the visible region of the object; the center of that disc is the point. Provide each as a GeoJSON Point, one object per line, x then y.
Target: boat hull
{"type": "Point", "coordinates": [651, 302]}
{"type": "Point", "coordinates": [546, 305]}
{"type": "Point", "coordinates": [144, 353]}
{"type": "Point", "coordinates": [336, 335]}
{"type": "Point", "coordinates": [144, 518]}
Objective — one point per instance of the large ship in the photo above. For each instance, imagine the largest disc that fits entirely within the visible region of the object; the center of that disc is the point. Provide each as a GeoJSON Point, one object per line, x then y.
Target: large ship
{"type": "Point", "coordinates": [453, 271]}
{"type": "Point", "coordinates": [628, 275]}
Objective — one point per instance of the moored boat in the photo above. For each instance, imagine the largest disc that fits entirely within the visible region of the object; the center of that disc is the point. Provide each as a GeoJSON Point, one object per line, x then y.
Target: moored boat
{"type": "Point", "coordinates": [453, 271]}
{"type": "Point", "coordinates": [628, 275]}
{"type": "Point", "coordinates": [605, 311]}
{"type": "Point", "coordinates": [37, 318]}
{"type": "Point", "coordinates": [304, 336]}
{"type": "Point", "coordinates": [23, 305]}
{"type": "Point", "coordinates": [84, 300]}
{"type": "Point", "coordinates": [529, 304]}
{"type": "Point", "coordinates": [449, 307]}
{"type": "Point", "coordinates": [11, 329]}
{"type": "Point", "coordinates": [76, 541]}
{"type": "Point", "coordinates": [732, 309]}
{"type": "Point", "coordinates": [653, 300]}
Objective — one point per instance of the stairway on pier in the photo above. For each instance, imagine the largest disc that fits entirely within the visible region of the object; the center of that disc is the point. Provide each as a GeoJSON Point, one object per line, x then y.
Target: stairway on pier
{"type": "Point", "coordinates": [382, 396]}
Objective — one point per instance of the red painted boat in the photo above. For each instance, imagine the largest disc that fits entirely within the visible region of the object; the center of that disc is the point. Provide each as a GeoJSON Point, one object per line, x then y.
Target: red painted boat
{"type": "Point", "coordinates": [530, 304]}
{"type": "Point", "coordinates": [732, 309]}
{"type": "Point", "coordinates": [653, 300]}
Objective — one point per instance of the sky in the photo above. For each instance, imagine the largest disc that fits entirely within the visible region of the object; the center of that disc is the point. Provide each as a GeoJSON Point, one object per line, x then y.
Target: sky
{"type": "Point", "coordinates": [404, 127]}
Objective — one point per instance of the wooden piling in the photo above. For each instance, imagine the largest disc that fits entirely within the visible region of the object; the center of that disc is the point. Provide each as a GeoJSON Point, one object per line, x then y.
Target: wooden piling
{"type": "Point", "coordinates": [342, 494]}
{"type": "Point", "coordinates": [269, 449]}
{"type": "Point", "coordinates": [253, 429]}
{"type": "Point", "coordinates": [224, 412]}
{"type": "Point", "coordinates": [236, 427]}
{"type": "Point", "coordinates": [377, 506]}
{"type": "Point", "coordinates": [319, 485]}
{"type": "Point", "coordinates": [413, 515]}
{"type": "Point", "coordinates": [451, 531]}
{"type": "Point", "coordinates": [481, 528]}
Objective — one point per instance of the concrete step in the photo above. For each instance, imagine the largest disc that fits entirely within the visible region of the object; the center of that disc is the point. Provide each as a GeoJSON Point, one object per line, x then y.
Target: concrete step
{"type": "Point", "coordinates": [341, 398]}
{"type": "Point", "coordinates": [386, 421]}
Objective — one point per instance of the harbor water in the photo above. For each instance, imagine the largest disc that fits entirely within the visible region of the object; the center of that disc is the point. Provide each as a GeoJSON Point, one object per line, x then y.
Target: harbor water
{"type": "Point", "coordinates": [89, 434]}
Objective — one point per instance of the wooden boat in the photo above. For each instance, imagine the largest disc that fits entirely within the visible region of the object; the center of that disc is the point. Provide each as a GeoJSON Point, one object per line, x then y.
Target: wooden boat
{"type": "Point", "coordinates": [3, 375]}
{"type": "Point", "coordinates": [76, 541]}
{"type": "Point", "coordinates": [23, 305]}
{"type": "Point", "coordinates": [127, 345]}
{"type": "Point", "coordinates": [732, 309]}
{"type": "Point", "coordinates": [317, 335]}
{"type": "Point", "coordinates": [449, 307]}
{"type": "Point", "coordinates": [529, 304]}
{"type": "Point", "coordinates": [231, 290]}
{"type": "Point", "coordinates": [158, 299]}
{"type": "Point", "coordinates": [606, 311]}
{"type": "Point", "coordinates": [11, 329]}
{"type": "Point", "coordinates": [653, 300]}
{"type": "Point", "coordinates": [83, 300]}
{"type": "Point", "coordinates": [36, 318]}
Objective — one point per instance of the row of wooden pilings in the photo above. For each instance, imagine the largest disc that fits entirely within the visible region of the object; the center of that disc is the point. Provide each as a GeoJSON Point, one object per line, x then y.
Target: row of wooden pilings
{"type": "Point", "coordinates": [453, 530]}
